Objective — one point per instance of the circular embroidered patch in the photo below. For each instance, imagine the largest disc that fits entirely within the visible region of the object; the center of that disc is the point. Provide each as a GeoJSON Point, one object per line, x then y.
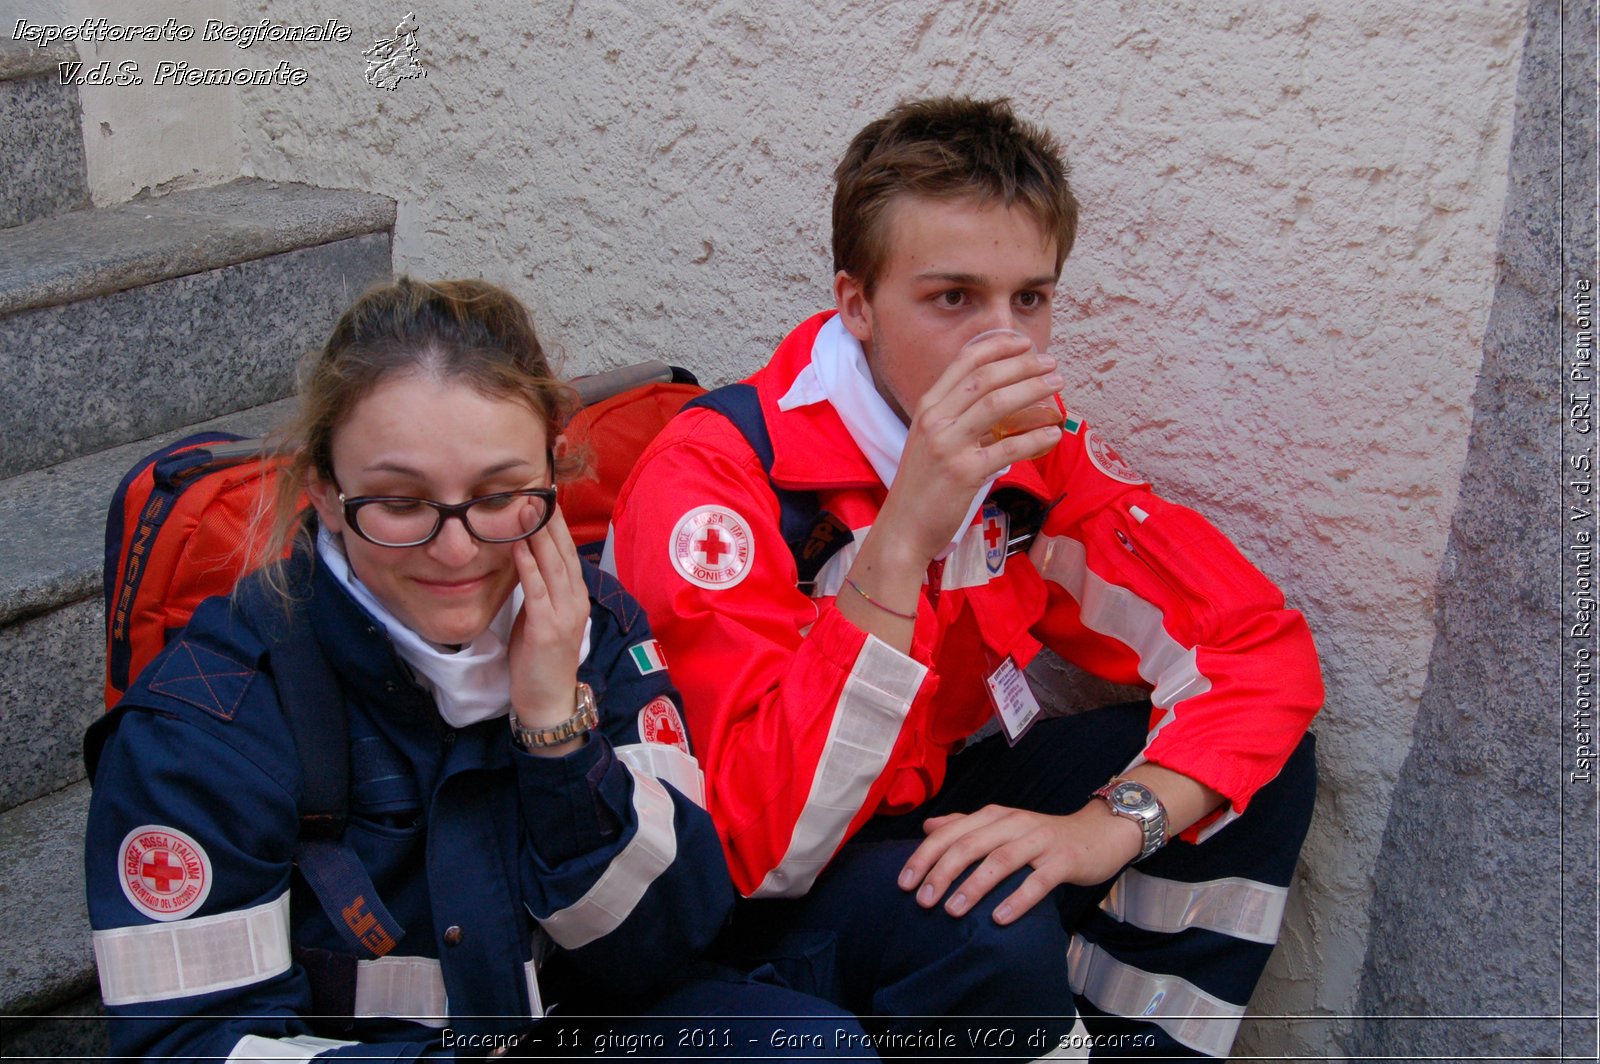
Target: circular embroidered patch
{"type": "Point", "coordinates": [659, 722]}
{"type": "Point", "coordinates": [1108, 461]}
{"type": "Point", "coordinates": [165, 873]}
{"type": "Point", "coordinates": [712, 547]}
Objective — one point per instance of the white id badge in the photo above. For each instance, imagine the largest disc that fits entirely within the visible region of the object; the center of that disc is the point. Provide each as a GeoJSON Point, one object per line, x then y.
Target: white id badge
{"type": "Point", "coordinates": [1013, 700]}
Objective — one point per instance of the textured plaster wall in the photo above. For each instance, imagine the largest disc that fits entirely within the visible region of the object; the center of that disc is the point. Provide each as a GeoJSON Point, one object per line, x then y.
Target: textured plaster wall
{"type": "Point", "coordinates": [1276, 307]}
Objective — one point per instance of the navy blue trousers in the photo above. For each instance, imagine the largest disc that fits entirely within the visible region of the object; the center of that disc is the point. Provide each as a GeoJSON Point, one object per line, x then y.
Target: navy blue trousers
{"type": "Point", "coordinates": [1159, 963]}
{"type": "Point", "coordinates": [715, 1012]}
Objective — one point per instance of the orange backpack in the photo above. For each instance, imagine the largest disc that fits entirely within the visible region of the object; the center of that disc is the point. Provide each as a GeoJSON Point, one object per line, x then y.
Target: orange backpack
{"type": "Point", "coordinates": [180, 522]}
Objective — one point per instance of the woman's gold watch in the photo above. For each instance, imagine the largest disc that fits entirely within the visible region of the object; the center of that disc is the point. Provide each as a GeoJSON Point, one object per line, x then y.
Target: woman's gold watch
{"type": "Point", "coordinates": [583, 720]}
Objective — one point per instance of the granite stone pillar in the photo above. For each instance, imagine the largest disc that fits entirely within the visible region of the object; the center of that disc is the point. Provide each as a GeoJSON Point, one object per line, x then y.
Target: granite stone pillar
{"type": "Point", "coordinates": [1483, 916]}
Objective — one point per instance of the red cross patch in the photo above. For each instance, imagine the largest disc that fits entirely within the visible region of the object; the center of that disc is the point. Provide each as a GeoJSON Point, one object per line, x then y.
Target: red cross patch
{"type": "Point", "coordinates": [996, 531]}
{"type": "Point", "coordinates": [659, 722]}
{"type": "Point", "coordinates": [1108, 461]}
{"type": "Point", "coordinates": [712, 547]}
{"type": "Point", "coordinates": [165, 874]}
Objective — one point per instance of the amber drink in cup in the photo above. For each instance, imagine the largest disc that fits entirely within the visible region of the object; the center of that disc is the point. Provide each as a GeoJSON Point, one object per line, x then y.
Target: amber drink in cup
{"type": "Point", "coordinates": [1047, 411]}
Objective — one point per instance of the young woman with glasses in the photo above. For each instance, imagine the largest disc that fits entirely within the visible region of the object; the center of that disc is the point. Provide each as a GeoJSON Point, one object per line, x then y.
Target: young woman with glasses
{"type": "Point", "coordinates": [526, 865]}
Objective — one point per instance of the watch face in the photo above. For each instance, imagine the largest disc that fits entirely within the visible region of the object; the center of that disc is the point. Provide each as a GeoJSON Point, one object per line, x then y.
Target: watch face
{"type": "Point", "coordinates": [1129, 795]}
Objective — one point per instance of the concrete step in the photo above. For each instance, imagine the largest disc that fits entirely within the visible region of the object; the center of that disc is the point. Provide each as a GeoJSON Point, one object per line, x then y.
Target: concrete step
{"type": "Point", "coordinates": [124, 322]}
{"type": "Point", "coordinates": [52, 619]}
{"type": "Point", "coordinates": [49, 992]}
{"type": "Point", "coordinates": [42, 170]}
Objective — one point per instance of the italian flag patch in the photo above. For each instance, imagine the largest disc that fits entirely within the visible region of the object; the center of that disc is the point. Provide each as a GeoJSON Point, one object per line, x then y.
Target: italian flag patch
{"type": "Point", "coordinates": [1071, 424]}
{"type": "Point", "coordinates": [648, 657]}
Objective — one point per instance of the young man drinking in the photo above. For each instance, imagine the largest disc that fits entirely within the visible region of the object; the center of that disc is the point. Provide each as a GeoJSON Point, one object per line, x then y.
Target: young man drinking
{"type": "Point", "coordinates": [849, 559]}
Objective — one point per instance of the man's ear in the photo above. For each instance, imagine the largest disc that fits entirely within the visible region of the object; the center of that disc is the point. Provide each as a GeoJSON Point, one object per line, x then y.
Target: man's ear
{"type": "Point", "coordinates": [855, 312]}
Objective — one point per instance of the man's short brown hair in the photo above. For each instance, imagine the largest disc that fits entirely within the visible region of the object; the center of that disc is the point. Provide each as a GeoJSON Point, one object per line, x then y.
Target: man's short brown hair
{"type": "Point", "coordinates": [946, 148]}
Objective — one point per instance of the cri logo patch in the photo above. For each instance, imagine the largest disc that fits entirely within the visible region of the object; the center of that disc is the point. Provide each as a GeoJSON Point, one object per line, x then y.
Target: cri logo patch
{"type": "Point", "coordinates": [165, 874]}
{"type": "Point", "coordinates": [712, 547]}
{"type": "Point", "coordinates": [659, 722]}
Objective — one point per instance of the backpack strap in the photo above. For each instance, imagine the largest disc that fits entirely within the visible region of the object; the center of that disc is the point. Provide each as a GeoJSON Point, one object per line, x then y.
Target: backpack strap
{"type": "Point", "coordinates": [308, 691]}
{"type": "Point", "coordinates": [813, 534]}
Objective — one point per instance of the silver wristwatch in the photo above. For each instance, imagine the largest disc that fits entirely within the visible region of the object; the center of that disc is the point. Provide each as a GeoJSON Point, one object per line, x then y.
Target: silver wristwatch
{"type": "Point", "coordinates": [583, 720]}
{"type": "Point", "coordinates": [1139, 804]}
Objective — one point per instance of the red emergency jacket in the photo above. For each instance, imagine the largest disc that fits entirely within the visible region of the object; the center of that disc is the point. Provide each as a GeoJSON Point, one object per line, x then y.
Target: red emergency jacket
{"type": "Point", "coordinates": [808, 726]}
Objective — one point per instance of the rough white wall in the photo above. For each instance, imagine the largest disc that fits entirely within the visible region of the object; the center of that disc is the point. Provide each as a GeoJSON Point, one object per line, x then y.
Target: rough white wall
{"type": "Point", "coordinates": [1275, 307]}
{"type": "Point", "coordinates": [148, 136]}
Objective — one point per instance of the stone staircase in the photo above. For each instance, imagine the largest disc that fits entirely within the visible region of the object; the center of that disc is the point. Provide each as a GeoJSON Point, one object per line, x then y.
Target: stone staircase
{"type": "Point", "coordinates": [120, 328]}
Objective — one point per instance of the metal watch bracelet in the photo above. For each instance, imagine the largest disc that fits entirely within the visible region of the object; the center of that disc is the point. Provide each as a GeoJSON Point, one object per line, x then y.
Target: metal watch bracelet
{"type": "Point", "coordinates": [583, 720]}
{"type": "Point", "coordinates": [1138, 803]}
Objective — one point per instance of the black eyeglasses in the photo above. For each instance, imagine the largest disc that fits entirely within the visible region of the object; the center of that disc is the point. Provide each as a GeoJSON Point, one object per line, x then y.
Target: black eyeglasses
{"type": "Point", "coordinates": [404, 521]}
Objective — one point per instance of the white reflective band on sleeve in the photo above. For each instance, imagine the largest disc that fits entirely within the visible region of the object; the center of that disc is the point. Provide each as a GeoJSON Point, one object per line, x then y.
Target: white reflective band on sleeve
{"type": "Point", "coordinates": [1191, 1016]}
{"type": "Point", "coordinates": [253, 1047]}
{"type": "Point", "coordinates": [669, 765]}
{"type": "Point", "coordinates": [157, 962]}
{"type": "Point", "coordinates": [612, 898]}
{"type": "Point", "coordinates": [408, 988]}
{"type": "Point", "coordinates": [1170, 667]}
{"type": "Point", "coordinates": [608, 552]}
{"type": "Point", "coordinates": [1117, 612]}
{"type": "Point", "coordinates": [1240, 908]}
{"type": "Point", "coordinates": [877, 696]}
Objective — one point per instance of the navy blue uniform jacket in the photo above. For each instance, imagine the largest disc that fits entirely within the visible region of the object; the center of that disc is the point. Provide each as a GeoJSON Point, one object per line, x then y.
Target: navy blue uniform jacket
{"type": "Point", "coordinates": [516, 881]}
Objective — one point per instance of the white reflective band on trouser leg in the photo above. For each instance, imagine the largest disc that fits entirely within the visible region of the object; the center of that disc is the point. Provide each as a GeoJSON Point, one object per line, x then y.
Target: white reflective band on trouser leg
{"type": "Point", "coordinates": [409, 988]}
{"type": "Point", "coordinates": [253, 1047]}
{"type": "Point", "coordinates": [412, 988]}
{"type": "Point", "coordinates": [1241, 908]}
{"type": "Point", "coordinates": [612, 898]}
{"type": "Point", "coordinates": [669, 765]}
{"type": "Point", "coordinates": [1075, 1046]}
{"type": "Point", "coordinates": [1191, 1016]}
{"type": "Point", "coordinates": [157, 962]}
{"type": "Point", "coordinates": [866, 721]}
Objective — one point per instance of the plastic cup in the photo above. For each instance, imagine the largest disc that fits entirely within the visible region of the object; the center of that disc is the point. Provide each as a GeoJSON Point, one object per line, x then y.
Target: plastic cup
{"type": "Point", "coordinates": [1047, 411]}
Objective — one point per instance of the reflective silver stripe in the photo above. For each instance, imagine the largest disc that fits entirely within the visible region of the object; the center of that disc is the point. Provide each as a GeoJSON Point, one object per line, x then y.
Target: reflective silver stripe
{"type": "Point", "coordinates": [669, 765]}
{"type": "Point", "coordinates": [968, 564]}
{"type": "Point", "coordinates": [409, 988]}
{"type": "Point", "coordinates": [1074, 1045]}
{"type": "Point", "coordinates": [608, 552]}
{"type": "Point", "coordinates": [1172, 669]}
{"type": "Point", "coordinates": [628, 876]}
{"type": "Point", "coordinates": [253, 1047]}
{"type": "Point", "coordinates": [1242, 908]}
{"type": "Point", "coordinates": [830, 578]}
{"type": "Point", "coordinates": [530, 975]}
{"type": "Point", "coordinates": [877, 696]}
{"type": "Point", "coordinates": [157, 962]}
{"type": "Point", "coordinates": [1193, 1017]}
{"type": "Point", "coordinates": [412, 988]}
{"type": "Point", "coordinates": [1115, 611]}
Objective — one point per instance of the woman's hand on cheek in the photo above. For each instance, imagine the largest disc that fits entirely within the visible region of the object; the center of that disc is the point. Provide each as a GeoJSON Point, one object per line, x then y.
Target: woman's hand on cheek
{"type": "Point", "coordinates": [548, 632]}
